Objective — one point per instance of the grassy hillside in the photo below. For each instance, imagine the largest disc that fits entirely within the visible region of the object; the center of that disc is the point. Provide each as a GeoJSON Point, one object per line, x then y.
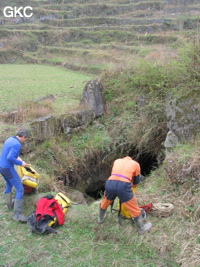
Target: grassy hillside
{"type": "Point", "coordinates": [91, 36]}
{"type": "Point", "coordinates": [131, 44]}
{"type": "Point", "coordinates": [81, 241]}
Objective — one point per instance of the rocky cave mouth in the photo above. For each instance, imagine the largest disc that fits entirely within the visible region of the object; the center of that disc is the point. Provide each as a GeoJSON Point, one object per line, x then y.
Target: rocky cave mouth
{"type": "Point", "coordinates": [147, 162]}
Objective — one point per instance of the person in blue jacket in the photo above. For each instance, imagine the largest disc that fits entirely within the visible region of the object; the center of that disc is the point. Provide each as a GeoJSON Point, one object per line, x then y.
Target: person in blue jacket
{"type": "Point", "coordinates": [10, 156]}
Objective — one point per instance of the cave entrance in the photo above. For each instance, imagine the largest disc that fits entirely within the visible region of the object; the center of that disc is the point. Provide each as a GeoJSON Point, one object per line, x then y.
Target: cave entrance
{"type": "Point", "coordinates": [147, 163]}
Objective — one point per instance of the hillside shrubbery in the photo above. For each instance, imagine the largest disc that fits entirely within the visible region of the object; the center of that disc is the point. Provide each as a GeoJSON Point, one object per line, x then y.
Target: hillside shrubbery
{"type": "Point", "coordinates": [135, 119]}
{"type": "Point", "coordinates": [182, 167]}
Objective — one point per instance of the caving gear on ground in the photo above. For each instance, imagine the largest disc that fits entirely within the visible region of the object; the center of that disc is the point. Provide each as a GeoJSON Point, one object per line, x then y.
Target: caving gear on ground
{"type": "Point", "coordinates": [162, 209]}
{"type": "Point", "coordinates": [63, 201]}
{"type": "Point", "coordinates": [29, 190]}
{"type": "Point", "coordinates": [9, 200]}
{"type": "Point", "coordinates": [48, 214]}
{"type": "Point", "coordinates": [18, 205]}
{"type": "Point", "coordinates": [102, 215]}
{"type": "Point", "coordinates": [141, 227]}
{"type": "Point", "coordinates": [29, 178]}
{"type": "Point", "coordinates": [147, 207]}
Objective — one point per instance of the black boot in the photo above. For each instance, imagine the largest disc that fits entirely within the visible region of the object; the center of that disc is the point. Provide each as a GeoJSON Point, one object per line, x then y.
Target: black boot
{"type": "Point", "coordinates": [102, 215]}
{"type": "Point", "coordinates": [142, 228]}
{"type": "Point", "coordinates": [18, 211]}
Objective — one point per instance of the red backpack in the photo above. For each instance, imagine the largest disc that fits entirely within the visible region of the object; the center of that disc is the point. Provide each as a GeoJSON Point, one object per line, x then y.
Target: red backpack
{"type": "Point", "coordinates": [47, 215]}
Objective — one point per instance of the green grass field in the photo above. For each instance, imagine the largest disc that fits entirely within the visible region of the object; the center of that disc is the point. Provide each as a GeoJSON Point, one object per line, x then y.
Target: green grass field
{"type": "Point", "coordinates": [22, 83]}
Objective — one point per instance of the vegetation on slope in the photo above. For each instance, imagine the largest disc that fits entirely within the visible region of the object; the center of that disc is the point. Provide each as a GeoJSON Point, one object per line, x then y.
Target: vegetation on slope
{"type": "Point", "coordinates": [98, 34]}
{"type": "Point", "coordinates": [135, 120]}
{"type": "Point", "coordinates": [81, 241]}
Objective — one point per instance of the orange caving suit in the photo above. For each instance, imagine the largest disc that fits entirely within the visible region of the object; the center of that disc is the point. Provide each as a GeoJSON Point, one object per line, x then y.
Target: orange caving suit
{"type": "Point", "coordinates": [125, 174]}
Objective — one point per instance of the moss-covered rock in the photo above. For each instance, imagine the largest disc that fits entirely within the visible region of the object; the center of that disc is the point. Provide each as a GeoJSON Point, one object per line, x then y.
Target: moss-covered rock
{"type": "Point", "coordinates": [183, 116]}
{"type": "Point", "coordinates": [44, 128]}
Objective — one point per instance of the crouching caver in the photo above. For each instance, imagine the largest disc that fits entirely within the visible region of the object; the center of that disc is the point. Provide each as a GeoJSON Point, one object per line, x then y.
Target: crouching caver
{"type": "Point", "coordinates": [10, 157]}
{"type": "Point", "coordinates": [125, 174]}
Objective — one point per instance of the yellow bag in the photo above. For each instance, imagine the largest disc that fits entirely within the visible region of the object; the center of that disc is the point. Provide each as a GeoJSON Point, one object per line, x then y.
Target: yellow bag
{"type": "Point", "coordinates": [123, 210]}
{"type": "Point", "coordinates": [63, 201]}
{"type": "Point", "coordinates": [28, 176]}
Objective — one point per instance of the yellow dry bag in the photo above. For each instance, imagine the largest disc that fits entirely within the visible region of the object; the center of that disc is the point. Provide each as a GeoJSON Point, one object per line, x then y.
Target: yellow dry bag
{"type": "Point", "coordinates": [123, 211]}
{"type": "Point", "coordinates": [28, 176]}
{"type": "Point", "coordinates": [63, 201]}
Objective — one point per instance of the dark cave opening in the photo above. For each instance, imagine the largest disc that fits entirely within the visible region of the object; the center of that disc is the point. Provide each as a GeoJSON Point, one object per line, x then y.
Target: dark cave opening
{"type": "Point", "coordinates": [147, 163]}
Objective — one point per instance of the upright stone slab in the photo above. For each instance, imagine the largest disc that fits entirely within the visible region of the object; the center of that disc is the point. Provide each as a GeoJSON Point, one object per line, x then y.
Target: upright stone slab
{"type": "Point", "coordinates": [92, 97]}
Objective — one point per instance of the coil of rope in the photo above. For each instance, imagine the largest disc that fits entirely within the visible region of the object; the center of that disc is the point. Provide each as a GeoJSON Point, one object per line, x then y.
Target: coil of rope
{"type": "Point", "coordinates": [162, 209]}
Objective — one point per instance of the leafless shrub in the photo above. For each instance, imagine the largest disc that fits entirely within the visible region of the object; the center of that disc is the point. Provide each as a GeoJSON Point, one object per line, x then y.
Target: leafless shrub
{"type": "Point", "coordinates": [32, 110]}
{"type": "Point", "coordinates": [183, 168]}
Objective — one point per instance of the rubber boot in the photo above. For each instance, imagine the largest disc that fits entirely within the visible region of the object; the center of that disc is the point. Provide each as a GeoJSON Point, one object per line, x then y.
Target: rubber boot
{"type": "Point", "coordinates": [18, 211]}
{"type": "Point", "coordinates": [142, 228]}
{"type": "Point", "coordinates": [102, 215]}
{"type": "Point", "coordinates": [9, 201]}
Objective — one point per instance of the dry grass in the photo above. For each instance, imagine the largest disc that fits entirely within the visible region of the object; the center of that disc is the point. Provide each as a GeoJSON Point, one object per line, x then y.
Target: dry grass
{"type": "Point", "coordinates": [190, 247]}
{"type": "Point", "coordinates": [6, 129]}
{"type": "Point", "coordinates": [27, 111]}
{"type": "Point", "coordinates": [33, 110]}
{"type": "Point", "coordinates": [160, 55]}
{"type": "Point", "coordinates": [182, 167]}
{"type": "Point", "coordinates": [181, 229]}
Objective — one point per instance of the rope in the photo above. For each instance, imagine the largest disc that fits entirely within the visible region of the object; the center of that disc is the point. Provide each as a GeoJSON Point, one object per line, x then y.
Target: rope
{"type": "Point", "coordinates": [162, 209]}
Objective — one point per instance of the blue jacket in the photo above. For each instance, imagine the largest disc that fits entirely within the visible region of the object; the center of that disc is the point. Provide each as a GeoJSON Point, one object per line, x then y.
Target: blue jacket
{"type": "Point", "coordinates": [10, 152]}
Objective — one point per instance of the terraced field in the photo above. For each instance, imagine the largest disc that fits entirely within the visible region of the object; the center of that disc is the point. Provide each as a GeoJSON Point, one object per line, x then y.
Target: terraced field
{"type": "Point", "coordinates": [92, 36]}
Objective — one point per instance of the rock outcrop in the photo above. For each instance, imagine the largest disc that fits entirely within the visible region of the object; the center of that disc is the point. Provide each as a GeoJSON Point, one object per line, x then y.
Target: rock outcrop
{"type": "Point", "coordinates": [73, 121]}
{"type": "Point", "coordinates": [92, 97]}
{"type": "Point", "coordinates": [183, 119]}
{"type": "Point", "coordinates": [44, 128]}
